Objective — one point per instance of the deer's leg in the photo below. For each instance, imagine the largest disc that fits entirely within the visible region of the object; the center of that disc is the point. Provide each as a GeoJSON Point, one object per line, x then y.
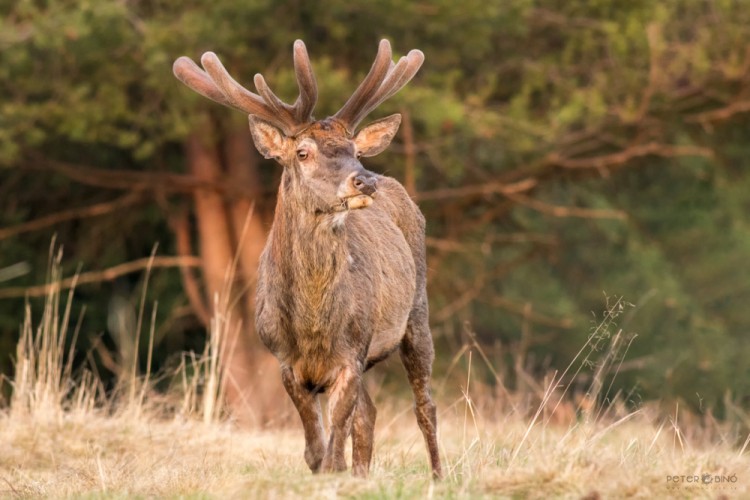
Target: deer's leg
{"type": "Point", "coordinates": [341, 402]}
{"type": "Point", "coordinates": [417, 354]}
{"type": "Point", "coordinates": [308, 406]}
{"type": "Point", "coordinates": [363, 431]}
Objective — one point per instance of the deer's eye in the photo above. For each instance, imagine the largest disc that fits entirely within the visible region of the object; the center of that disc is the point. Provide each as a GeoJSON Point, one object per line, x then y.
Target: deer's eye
{"type": "Point", "coordinates": [359, 155]}
{"type": "Point", "coordinates": [301, 154]}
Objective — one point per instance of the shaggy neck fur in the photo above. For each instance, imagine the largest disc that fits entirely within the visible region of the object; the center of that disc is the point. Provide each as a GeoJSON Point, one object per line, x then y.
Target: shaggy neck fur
{"type": "Point", "coordinates": [310, 250]}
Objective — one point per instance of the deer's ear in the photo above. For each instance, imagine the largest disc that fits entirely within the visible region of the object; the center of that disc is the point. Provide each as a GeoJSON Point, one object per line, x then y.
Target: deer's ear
{"type": "Point", "coordinates": [268, 139]}
{"type": "Point", "coordinates": [375, 137]}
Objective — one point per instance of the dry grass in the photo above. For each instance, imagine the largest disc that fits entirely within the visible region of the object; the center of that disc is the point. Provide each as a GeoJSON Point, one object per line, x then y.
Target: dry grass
{"type": "Point", "coordinates": [100, 455]}
{"type": "Point", "coordinates": [61, 437]}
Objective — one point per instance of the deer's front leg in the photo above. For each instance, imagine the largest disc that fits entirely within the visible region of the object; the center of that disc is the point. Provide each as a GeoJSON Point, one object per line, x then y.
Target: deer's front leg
{"type": "Point", "coordinates": [343, 396]}
{"type": "Point", "coordinates": [363, 429]}
{"type": "Point", "coordinates": [308, 406]}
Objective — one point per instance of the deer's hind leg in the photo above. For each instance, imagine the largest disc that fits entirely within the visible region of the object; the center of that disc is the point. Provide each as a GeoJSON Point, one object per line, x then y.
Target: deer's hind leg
{"type": "Point", "coordinates": [417, 354]}
{"type": "Point", "coordinates": [308, 406]}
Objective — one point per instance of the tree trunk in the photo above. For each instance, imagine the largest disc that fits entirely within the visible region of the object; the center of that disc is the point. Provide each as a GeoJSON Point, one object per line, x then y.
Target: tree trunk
{"type": "Point", "coordinates": [231, 237]}
{"type": "Point", "coordinates": [249, 237]}
{"type": "Point", "coordinates": [217, 252]}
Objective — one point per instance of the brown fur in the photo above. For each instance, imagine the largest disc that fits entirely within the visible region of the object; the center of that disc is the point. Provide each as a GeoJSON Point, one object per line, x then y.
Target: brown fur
{"type": "Point", "coordinates": [342, 279]}
{"type": "Point", "coordinates": [335, 298]}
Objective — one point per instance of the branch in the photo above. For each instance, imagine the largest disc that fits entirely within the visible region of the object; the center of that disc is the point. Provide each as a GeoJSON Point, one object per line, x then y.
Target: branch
{"type": "Point", "coordinates": [477, 287]}
{"type": "Point", "coordinates": [461, 301]}
{"type": "Point", "coordinates": [525, 237]}
{"type": "Point", "coordinates": [477, 190]}
{"type": "Point", "coordinates": [409, 152]}
{"type": "Point", "coordinates": [548, 16]}
{"type": "Point", "coordinates": [181, 227]}
{"type": "Point", "coordinates": [654, 36]}
{"type": "Point", "coordinates": [98, 276]}
{"type": "Point", "coordinates": [485, 246]}
{"type": "Point", "coordinates": [133, 180]}
{"type": "Point", "coordinates": [627, 154]}
{"type": "Point", "coordinates": [720, 114]}
{"type": "Point", "coordinates": [522, 310]}
{"type": "Point", "coordinates": [560, 211]}
{"type": "Point", "coordinates": [450, 245]}
{"type": "Point", "coordinates": [74, 213]}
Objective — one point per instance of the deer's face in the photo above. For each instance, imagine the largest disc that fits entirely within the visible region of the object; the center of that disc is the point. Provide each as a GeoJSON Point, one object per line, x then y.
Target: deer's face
{"type": "Point", "coordinates": [322, 162]}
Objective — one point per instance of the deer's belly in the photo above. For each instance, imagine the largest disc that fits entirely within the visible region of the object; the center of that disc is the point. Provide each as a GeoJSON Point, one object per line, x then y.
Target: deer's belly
{"type": "Point", "coordinates": [384, 343]}
{"type": "Point", "coordinates": [396, 298]}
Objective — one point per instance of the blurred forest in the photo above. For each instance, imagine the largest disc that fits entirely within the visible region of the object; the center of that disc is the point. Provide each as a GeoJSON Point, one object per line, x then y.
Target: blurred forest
{"type": "Point", "coordinates": [560, 150]}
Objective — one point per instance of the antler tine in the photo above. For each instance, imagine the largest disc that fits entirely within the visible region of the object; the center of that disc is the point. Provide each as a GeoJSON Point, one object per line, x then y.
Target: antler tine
{"type": "Point", "coordinates": [194, 77]}
{"type": "Point", "coordinates": [280, 109]}
{"type": "Point", "coordinates": [308, 87]}
{"type": "Point", "coordinates": [217, 84]}
{"type": "Point", "coordinates": [369, 85]}
{"type": "Point", "coordinates": [397, 78]}
{"type": "Point", "coordinates": [382, 81]}
{"type": "Point", "coordinates": [236, 94]}
{"type": "Point", "coordinates": [412, 62]}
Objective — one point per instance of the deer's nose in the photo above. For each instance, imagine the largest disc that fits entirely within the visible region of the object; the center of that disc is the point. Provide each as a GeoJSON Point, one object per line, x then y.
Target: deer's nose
{"type": "Point", "coordinates": [365, 184]}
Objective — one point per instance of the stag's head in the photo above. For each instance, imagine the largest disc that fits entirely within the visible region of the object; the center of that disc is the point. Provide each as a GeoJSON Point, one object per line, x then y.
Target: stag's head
{"type": "Point", "coordinates": [321, 157]}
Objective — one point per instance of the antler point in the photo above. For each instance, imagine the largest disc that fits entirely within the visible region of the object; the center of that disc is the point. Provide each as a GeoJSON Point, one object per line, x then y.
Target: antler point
{"type": "Point", "coordinates": [209, 57]}
{"type": "Point", "coordinates": [416, 53]}
{"type": "Point", "coordinates": [180, 63]}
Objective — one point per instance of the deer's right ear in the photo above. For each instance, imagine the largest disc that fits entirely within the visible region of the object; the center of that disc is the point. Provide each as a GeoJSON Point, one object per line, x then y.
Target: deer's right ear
{"type": "Point", "coordinates": [268, 139]}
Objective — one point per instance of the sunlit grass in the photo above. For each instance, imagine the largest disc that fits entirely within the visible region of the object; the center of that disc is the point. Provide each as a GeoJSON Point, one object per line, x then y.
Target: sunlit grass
{"type": "Point", "coordinates": [94, 453]}
{"type": "Point", "coordinates": [61, 436]}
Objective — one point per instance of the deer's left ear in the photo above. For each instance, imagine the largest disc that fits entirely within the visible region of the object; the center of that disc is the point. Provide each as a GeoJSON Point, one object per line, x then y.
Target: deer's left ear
{"type": "Point", "coordinates": [375, 137]}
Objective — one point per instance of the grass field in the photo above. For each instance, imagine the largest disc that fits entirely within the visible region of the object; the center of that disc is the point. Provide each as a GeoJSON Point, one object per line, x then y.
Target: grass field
{"type": "Point", "coordinates": [95, 454]}
{"type": "Point", "coordinates": [61, 436]}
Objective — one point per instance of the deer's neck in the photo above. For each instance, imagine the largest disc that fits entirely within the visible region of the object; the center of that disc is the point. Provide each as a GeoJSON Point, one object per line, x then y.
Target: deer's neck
{"type": "Point", "coordinates": [312, 247]}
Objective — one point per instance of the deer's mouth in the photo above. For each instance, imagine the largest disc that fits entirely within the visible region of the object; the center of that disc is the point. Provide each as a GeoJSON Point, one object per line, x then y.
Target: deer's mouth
{"type": "Point", "coordinates": [353, 202]}
{"type": "Point", "coordinates": [357, 191]}
{"type": "Point", "coordinates": [357, 201]}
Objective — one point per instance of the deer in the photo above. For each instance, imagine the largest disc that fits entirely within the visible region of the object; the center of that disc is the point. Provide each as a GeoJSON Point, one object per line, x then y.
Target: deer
{"type": "Point", "coordinates": [342, 279]}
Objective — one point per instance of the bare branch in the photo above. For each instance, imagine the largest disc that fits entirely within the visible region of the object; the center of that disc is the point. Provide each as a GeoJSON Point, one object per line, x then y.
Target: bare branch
{"type": "Point", "coordinates": [409, 152]}
{"type": "Point", "coordinates": [527, 313]}
{"type": "Point", "coordinates": [654, 36]}
{"type": "Point", "coordinates": [74, 213]}
{"type": "Point", "coordinates": [550, 17]}
{"type": "Point", "coordinates": [132, 180]}
{"type": "Point", "coordinates": [475, 290]}
{"type": "Point", "coordinates": [477, 190]}
{"type": "Point", "coordinates": [721, 114]}
{"type": "Point", "coordinates": [468, 296]}
{"type": "Point", "coordinates": [181, 227]}
{"type": "Point", "coordinates": [627, 154]}
{"type": "Point", "coordinates": [561, 211]}
{"type": "Point", "coordinates": [108, 274]}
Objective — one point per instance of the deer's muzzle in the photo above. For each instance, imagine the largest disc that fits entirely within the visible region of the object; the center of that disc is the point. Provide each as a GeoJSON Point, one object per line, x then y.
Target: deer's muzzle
{"type": "Point", "coordinates": [365, 184]}
{"type": "Point", "coordinates": [358, 190]}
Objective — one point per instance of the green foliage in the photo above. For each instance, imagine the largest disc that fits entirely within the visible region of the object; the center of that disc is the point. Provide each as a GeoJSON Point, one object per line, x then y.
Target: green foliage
{"type": "Point", "coordinates": [506, 86]}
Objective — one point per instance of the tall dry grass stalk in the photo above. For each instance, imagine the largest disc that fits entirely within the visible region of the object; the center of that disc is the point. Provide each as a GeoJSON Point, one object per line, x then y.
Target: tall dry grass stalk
{"type": "Point", "coordinates": [63, 436]}
{"type": "Point", "coordinates": [45, 386]}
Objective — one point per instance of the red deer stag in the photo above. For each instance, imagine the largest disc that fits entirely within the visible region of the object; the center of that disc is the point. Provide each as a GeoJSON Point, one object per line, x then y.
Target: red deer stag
{"type": "Point", "coordinates": [342, 278]}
